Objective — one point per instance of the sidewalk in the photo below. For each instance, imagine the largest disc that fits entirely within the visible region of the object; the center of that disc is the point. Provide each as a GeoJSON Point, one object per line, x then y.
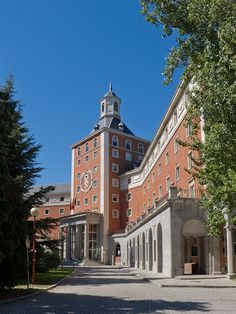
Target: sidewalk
{"type": "Point", "coordinates": [194, 281]}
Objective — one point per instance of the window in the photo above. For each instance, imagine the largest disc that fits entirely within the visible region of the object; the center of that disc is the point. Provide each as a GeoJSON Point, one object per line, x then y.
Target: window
{"type": "Point", "coordinates": [166, 133]}
{"type": "Point", "coordinates": [46, 211]}
{"type": "Point", "coordinates": [95, 169]}
{"type": "Point", "coordinates": [128, 144]}
{"type": "Point", "coordinates": [140, 148]}
{"type": "Point", "coordinates": [115, 213]}
{"type": "Point", "coordinates": [153, 177]}
{"type": "Point", "coordinates": [95, 154]}
{"type": "Point", "coordinates": [78, 203]}
{"type": "Point", "coordinates": [175, 117]}
{"type": "Point", "coordinates": [148, 184]}
{"type": "Point", "coordinates": [115, 168]}
{"type": "Point", "coordinates": [115, 198]}
{"type": "Point", "coordinates": [86, 159]}
{"type": "Point", "coordinates": [115, 153]}
{"type": "Point", "coordinates": [160, 191]}
{"type": "Point", "coordinates": [167, 158]}
{"type": "Point", "coordinates": [115, 141]}
{"type": "Point", "coordinates": [144, 190]}
{"type": "Point", "coordinates": [103, 107]}
{"type": "Point", "coordinates": [86, 201]}
{"type": "Point", "coordinates": [129, 180]}
{"type": "Point", "coordinates": [78, 162]}
{"type": "Point", "coordinates": [78, 189]}
{"type": "Point", "coordinates": [62, 199]}
{"type": "Point", "coordinates": [78, 175]}
{"type": "Point", "coordinates": [129, 196]}
{"type": "Point", "coordinates": [140, 158]}
{"type": "Point", "coordinates": [95, 143]}
{"type": "Point", "coordinates": [95, 183]}
{"type": "Point", "coordinates": [115, 182]}
{"type": "Point", "coordinates": [167, 183]}
{"type": "Point", "coordinates": [128, 156]}
{"type": "Point", "coordinates": [176, 145]}
{"type": "Point", "coordinates": [189, 129]}
{"type": "Point", "coordinates": [153, 197]}
{"type": "Point", "coordinates": [115, 107]}
{"type": "Point", "coordinates": [128, 212]}
{"type": "Point", "coordinates": [191, 190]}
{"type": "Point", "coordinates": [61, 211]}
{"type": "Point", "coordinates": [190, 160]}
{"type": "Point", "coordinates": [148, 203]}
{"type": "Point", "coordinates": [78, 151]}
{"type": "Point", "coordinates": [86, 147]}
{"type": "Point", "coordinates": [177, 173]}
{"type": "Point", "coordinates": [95, 199]}
{"type": "Point", "coordinates": [159, 168]}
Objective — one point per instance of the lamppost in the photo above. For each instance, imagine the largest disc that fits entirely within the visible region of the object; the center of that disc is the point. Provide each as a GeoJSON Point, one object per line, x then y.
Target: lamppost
{"type": "Point", "coordinates": [27, 245]}
{"type": "Point", "coordinates": [34, 213]}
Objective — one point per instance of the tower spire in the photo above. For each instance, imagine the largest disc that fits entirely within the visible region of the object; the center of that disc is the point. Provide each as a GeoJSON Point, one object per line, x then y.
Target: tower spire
{"type": "Point", "coordinates": [110, 87]}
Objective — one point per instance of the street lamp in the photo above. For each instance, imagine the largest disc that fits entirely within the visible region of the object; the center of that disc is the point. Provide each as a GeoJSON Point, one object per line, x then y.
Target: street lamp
{"type": "Point", "coordinates": [34, 213]}
{"type": "Point", "coordinates": [27, 245]}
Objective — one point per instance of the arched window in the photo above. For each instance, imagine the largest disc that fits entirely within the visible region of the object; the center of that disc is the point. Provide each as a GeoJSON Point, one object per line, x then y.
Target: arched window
{"type": "Point", "coordinates": [128, 144]}
{"type": "Point", "coordinates": [103, 107]}
{"type": "Point", "coordinates": [140, 148]}
{"type": "Point", "coordinates": [115, 107]}
{"type": "Point", "coordinates": [86, 147]}
{"type": "Point", "coordinates": [115, 141]}
{"type": "Point", "coordinates": [95, 143]}
{"type": "Point", "coordinates": [78, 151]}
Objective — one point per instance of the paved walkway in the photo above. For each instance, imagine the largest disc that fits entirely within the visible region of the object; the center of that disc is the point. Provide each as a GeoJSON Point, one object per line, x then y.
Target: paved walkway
{"type": "Point", "coordinates": [109, 289]}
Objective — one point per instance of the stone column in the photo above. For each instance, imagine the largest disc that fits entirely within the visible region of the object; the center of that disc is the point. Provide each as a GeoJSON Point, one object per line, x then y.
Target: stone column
{"type": "Point", "coordinates": [86, 241]}
{"type": "Point", "coordinates": [77, 239]}
{"type": "Point", "coordinates": [68, 243]}
{"type": "Point", "coordinates": [230, 252]}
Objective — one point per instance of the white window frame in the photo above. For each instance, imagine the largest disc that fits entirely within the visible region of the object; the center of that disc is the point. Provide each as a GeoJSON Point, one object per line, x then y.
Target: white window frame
{"type": "Point", "coordinates": [115, 168]}
{"type": "Point", "coordinates": [79, 151]}
{"type": "Point", "coordinates": [86, 148]}
{"type": "Point", "coordinates": [78, 162]}
{"type": "Point", "coordinates": [167, 158]}
{"type": "Point", "coordinates": [167, 183]}
{"type": "Point", "coordinates": [86, 203]}
{"type": "Point", "coordinates": [115, 196]}
{"type": "Point", "coordinates": [160, 190]}
{"type": "Point", "coordinates": [94, 183]}
{"type": "Point", "coordinates": [115, 140]}
{"type": "Point", "coordinates": [140, 151]}
{"type": "Point", "coordinates": [117, 215]}
{"type": "Point", "coordinates": [128, 156]}
{"type": "Point", "coordinates": [46, 210]}
{"type": "Point", "coordinates": [115, 153]}
{"type": "Point", "coordinates": [115, 182]}
{"type": "Point", "coordinates": [86, 158]}
{"type": "Point", "coordinates": [95, 169]}
{"type": "Point", "coordinates": [189, 159]}
{"type": "Point", "coordinates": [128, 144]}
{"type": "Point", "coordinates": [129, 196]}
{"type": "Point", "coordinates": [78, 189]}
{"type": "Point", "coordinates": [78, 203]}
{"type": "Point", "coordinates": [63, 211]}
{"type": "Point", "coordinates": [177, 172]}
{"type": "Point", "coordinates": [128, 212]}
{"type": "Point", "coordinates": [95, 143]}
{"type": "Point", "coordinates": [159, 168]}
{"type": "Point", "coordinates": [94, 199]}
{"type": "Point", "coordinates": [176, 145]}
{"type": "Point", "coordinates": [95, 154]}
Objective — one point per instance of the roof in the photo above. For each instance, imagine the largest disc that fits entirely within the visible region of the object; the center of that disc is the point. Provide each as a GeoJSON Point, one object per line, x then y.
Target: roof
{"type": "Point", "coordinates": [60, 189]}
{"type": "Point", "coordinates": [112, 123]}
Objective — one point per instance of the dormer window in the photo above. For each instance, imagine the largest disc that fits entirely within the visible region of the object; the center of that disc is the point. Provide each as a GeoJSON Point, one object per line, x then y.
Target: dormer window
{"type": "Point", "coordinates": [128, 144]}
{"type": "Point", "coordinates": [115, 141]}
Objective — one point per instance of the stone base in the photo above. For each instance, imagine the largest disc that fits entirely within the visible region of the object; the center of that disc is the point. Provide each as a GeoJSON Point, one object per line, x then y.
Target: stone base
{"type": "Point", "coordinates": [231, 275]}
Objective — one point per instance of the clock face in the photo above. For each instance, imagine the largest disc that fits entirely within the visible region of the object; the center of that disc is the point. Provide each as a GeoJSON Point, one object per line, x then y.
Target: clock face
{"type": "Point", "coordinates": [86, 181]}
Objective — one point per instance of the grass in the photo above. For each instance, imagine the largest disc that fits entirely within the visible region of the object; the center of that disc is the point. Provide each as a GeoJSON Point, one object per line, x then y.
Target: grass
{"type": "Point", "coordinates": [43, 281]}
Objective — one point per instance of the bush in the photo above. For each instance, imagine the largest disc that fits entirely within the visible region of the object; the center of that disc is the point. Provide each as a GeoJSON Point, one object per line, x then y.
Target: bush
{"type": "Point", "coordinates": [47, 261]}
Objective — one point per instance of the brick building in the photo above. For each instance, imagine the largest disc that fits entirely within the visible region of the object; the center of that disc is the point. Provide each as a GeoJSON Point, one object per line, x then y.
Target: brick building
{"type": "Point", "coordinates": [134, 203]}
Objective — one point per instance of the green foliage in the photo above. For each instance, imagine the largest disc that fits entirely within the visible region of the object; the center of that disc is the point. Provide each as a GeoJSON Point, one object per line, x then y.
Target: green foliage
{"type": "Point", "coordinates": [206, 48]}
{"type": "Point", "coordinates": [18, 171]}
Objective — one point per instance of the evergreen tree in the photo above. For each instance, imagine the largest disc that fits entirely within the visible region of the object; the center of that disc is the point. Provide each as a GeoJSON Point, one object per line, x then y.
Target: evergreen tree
{"type": "Point", "coordinates": [18, 171]}
{"type": "Point", "coordinates": [206, 49]}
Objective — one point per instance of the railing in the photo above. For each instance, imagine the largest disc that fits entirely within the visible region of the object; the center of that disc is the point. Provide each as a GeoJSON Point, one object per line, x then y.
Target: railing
{"type": "Point", "coordinates": [189, 193]}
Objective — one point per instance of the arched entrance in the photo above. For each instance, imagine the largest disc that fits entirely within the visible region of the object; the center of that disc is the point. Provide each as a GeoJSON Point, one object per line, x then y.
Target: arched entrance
{"type": "Point", "coordinates": [193, 234]}
{"type": "Point", "coordinates": [117, 254]}
{"type": "Point", "coordinates": [159, 249]}
{"type": "Point", "coordinates": [150, 250]}
{"type": "Point", "coordinates": [143, 251]}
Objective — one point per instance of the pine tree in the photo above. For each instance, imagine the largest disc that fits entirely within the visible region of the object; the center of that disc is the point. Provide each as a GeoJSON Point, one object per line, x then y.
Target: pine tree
{"type": "Point", "coordinates": [18, 171]}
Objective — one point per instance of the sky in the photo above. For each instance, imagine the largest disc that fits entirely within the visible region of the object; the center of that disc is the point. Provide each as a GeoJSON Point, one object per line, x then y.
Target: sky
{"type": "Point", "coordinates": [64, 53]}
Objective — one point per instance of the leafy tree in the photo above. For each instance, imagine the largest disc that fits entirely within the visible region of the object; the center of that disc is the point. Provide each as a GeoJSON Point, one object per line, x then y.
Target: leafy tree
{"type": "Point", "coordinates": [206, 50]}
{"type": "Point", "coordinates": [18, 171]}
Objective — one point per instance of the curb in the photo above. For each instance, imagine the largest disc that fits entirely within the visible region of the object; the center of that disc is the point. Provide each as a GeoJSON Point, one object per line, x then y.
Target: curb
{"type": "Point", "coordinates": [5, 302]}
{"type": "Point", "coordinates": [161, 285]}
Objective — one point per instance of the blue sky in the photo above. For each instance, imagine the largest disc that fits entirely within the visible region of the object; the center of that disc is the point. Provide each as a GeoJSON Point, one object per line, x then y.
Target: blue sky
{"type": "Point", "coordinates": [63, 55]}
